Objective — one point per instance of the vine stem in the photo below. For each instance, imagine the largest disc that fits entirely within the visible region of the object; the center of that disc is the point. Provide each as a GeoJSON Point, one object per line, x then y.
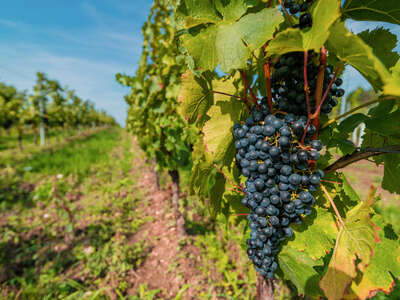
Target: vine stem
{"type": "Point", "coordinates": [330, 181]}
{"type": "Point", "coordinates": [357, 108]}
{"type": "Point", "coordinates": [248, 87]}
{"type": "Point", "coordinates": [230, 95]}
{"type": "Point", "coordinates": [317, 112]}
{"type": "Point", "coordinates": [267, 72]}
{"type": "Point", "coordinates": [319, 87]}
{"type": "Point", "coordinates": [360, 154]}
{"type": "Point", "coordinates": [341, 223]}
{"type": "Point", "coordinates": [307, 91]}
{"type": "Point", "coordinates": [227, 179]}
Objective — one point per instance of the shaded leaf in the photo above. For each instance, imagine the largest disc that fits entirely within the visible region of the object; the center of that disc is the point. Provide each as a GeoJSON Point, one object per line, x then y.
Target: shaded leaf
{"type": "Point", "coordinates": [216, 193]}
{"type": "Point", "coordinates": [390, 180]}
{"type": "Point", "coordinates": [382, 42]}
{"type": "Point", "coordinates": [298, 267]}
{"type": "Point", "coordinates": [372, 10]}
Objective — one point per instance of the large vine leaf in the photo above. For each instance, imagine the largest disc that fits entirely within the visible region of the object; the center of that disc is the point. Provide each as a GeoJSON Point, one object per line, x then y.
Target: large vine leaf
{"type": "Point", "coordinates": [230, 43]}
{"type": "Point", "coordinates": [353, 251]}
{"type": "Point", "coordinates": [372, 10]}
{"type": "Point", "coordinates": [353, 50]}
{"type": "Point", "coordinates": [324, 14]}
{"type": "Point", "coordinates": [298, 267]}
{"type": "Point", "coordinates": [376, 276]}
{"type": "Point", "coordinates": [316, 235]}
{"type": "Point", "coordinates": [382, 42]}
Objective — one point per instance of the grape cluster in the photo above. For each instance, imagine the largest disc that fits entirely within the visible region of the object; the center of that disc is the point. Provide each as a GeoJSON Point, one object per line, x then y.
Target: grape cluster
{"type": "Point", "coordinates": [279, 179]}
{"type": "Point", "coordinates": [288, 84]}
{"type": "Point", "coordinates": [295, 7]}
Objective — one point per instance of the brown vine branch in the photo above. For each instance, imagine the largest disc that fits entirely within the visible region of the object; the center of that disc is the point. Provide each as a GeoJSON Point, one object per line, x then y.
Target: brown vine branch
{"type": "Point", "coordinates": [307, 91]}
{"type": "Point", "coordinates": [227, 179]}
{"type": "Point", "coordinates": [267, 72]}
{"type": "Point", "coordinates": [360, 154]}
{"type": "Point", "coordinates": [357, 108]}
{"type": "Point", "coordinates": [317, 112]}
{"type": "Point", "coordinates": [320, 86]}
{"type": "Point", "coordinates": [341, 223]}
{"type": "Point", "coordinates": [248, 87]}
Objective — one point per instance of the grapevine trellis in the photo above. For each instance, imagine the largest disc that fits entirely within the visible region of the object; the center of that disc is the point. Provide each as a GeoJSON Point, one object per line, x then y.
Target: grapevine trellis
{"type": "Point", "coordinates": [260, 79]}
{"type": "Point", "coordinates": [50, 107]}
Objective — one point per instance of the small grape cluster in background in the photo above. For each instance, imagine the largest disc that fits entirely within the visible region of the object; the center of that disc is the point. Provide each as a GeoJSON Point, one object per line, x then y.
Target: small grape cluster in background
{"type": "Point", "coordinates": [288, 84]}
{"type": "Point", "coordinates": [296, 7]}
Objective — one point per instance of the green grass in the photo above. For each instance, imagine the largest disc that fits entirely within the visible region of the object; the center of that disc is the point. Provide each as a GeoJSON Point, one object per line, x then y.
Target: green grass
{"type": "Point", "coordinates": [77, 157]}
{"type": "Point", "coordinates": [75, 244]}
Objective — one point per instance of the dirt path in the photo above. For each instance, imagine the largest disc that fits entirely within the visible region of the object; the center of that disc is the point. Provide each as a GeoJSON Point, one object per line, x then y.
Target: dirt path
{"type": "Point", "coordinates": [165, 268]}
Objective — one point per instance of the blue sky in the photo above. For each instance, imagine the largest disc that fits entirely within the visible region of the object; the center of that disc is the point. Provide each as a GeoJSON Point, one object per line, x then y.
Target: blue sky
{"type": "Point", "coordinates": [85, 43]}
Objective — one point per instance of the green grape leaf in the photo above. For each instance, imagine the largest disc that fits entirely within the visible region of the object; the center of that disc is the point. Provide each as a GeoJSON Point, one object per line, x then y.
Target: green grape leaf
{"type": "Point", "coordinates": [202, 169]}
{"type": "Point", "coordinates": [372, 10]}
{"type": "Point", "coordinates": [390, 180]}
{"type": "Point", "coordinates": [316, 236]}
{"type": "Point", "coordinates": [353, 50]}
{"type": "Point", "coordinates": [386, 124]}
{"type": "Point", "coordinates": [324, 14]}
{"type": "Point", "coordinates": [382, 42]}
{"type": "Point", "coordinates": [230, 43]}
{"type": "Point", "coordinates": [298, 267]}
{"type": "Point", "coordinates": [194, 98]}
{"type": "Point", "coordinates": [353, 250]}
{"type": "Point", "coordinates": [386, 258]}
{"type": "Point", "coordinates": [348, 125]}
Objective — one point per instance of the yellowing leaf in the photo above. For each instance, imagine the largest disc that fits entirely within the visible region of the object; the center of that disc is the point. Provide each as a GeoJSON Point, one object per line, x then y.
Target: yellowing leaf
{"type": "Point", "coordinates": [385, 259]}
{"type": "Point", "coordinates": [355, 242]}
